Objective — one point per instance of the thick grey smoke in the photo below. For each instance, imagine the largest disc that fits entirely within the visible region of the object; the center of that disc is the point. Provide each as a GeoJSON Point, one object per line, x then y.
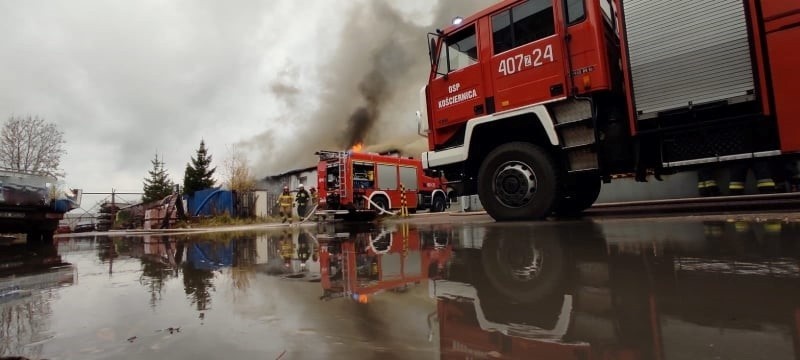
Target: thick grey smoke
{"type": "Point", "coordinates": [369, 87]}
{"type": "Point", "coordinates": [284, 88]}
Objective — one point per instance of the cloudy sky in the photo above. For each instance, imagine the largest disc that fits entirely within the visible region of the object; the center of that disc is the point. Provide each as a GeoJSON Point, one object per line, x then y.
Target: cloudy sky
{"type": "Point", "coordinates": [277, 78]}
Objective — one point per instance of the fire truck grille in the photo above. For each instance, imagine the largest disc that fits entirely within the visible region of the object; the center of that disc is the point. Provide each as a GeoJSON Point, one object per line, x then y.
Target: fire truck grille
{"type": "Point", "coordinates": [707, 144]}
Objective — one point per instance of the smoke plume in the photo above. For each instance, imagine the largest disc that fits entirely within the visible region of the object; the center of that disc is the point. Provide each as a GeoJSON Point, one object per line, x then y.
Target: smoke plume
{"type": "Point", "coordinates": [368, 88]}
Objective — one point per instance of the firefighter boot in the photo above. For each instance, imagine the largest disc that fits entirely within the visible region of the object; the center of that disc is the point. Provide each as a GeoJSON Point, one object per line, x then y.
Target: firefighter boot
{"type": "Point", "coordinates": [702, 189]}
{"type": "Point", "coordinates": [765, 182]}
{"type": "Point", "coordinates": [738, 176]}
{"type": "Point", "coordinates": [706, 184]}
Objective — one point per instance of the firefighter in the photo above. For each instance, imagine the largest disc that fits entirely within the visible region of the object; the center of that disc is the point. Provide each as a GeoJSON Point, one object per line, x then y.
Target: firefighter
{"type": "Point", "coordinates": [285, 202]}
{"type": "Point", "coordinates": [706, 182]}
{"type": "Point", "coordinates": [764, 182]}
{"type": "Point", "coordinates": [301, 199]}
{"type": "Point", "coordinates": [314, 196]}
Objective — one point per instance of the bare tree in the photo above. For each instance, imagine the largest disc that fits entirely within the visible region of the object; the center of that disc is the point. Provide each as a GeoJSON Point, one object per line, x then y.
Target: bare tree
{"type": "Point", "coordinates": [31, 144]}
{"type": "Point", "coordinates": [236, 170]}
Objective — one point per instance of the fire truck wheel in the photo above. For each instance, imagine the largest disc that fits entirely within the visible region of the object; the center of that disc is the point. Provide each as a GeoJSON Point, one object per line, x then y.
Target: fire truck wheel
{"type": "Point", "coordinates": [581, 197]}
{"type": "Point", "coordinates": [517, 182]}
{"type": "Point", "coordinates": [438, 204]}
{"type": "Point", "coordinates": [382, 202]}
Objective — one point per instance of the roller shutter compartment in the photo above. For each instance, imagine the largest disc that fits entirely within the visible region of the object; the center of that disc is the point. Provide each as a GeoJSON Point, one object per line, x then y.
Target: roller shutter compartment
{"type": "Point", "coordinates": [687, 52]}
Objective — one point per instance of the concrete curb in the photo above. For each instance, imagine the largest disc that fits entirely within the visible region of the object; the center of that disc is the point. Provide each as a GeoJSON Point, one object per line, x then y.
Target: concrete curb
{"type": "Point", "coordinates": [472, 213]}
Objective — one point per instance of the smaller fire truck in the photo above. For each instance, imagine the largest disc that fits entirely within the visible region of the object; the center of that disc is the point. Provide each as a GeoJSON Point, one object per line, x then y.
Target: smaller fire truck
{"type": "Point", "coordinates": [351, 182]}
{"type": "Point", "coordinates": [388, 259]}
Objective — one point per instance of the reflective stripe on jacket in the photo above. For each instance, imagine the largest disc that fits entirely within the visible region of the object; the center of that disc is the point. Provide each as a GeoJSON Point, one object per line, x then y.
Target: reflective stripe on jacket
{"type": "Point", "coordinates": [285, 200]}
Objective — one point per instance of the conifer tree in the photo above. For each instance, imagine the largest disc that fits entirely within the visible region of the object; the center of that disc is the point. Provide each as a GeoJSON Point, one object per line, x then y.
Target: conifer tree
{"type": "Point", "coordinates": [158, 185]}
{"type": "Point", "coordinates": [199, 175]}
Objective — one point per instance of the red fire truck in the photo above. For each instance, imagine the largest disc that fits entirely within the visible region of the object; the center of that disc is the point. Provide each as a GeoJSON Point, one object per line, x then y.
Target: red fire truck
{"type": "Point", "coordinates": [352, 181]}
{"type": "Point", "coordinates": [531, 104]}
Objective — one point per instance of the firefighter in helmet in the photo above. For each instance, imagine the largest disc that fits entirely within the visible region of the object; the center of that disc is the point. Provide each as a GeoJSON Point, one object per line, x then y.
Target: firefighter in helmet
{"type": "Point", "coordinates": [285, 202]}
{"type": "Point", "coordinates": [302, 199]}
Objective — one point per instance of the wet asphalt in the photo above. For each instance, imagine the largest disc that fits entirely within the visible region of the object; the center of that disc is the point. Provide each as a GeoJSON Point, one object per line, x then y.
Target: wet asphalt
{"type": "Point", "coordinates": [665, 288]}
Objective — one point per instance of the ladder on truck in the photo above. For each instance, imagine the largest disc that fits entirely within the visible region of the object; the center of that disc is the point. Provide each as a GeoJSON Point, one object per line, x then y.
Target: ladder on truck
{"type": "Point", "coordinates": [341, 157]}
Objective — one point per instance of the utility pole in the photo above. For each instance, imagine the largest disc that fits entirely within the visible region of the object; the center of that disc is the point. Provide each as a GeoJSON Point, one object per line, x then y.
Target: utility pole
{"type": "Point", "coordinates": [113, 208]}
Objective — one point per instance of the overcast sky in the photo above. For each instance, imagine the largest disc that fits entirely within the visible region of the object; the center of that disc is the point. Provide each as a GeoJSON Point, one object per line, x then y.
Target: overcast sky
{"type": "Point", "coordinates": [125, 80]}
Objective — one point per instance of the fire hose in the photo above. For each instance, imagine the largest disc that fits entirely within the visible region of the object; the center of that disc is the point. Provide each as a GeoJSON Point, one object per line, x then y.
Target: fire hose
{"type": "Point", "coordinates": [310, 214]}
{"type": "Point", "coordinates": [380, 209]}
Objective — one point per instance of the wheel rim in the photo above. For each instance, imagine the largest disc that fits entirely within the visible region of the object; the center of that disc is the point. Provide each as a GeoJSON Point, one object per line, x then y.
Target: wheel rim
{"type": "Point", "coordinates": [382, 204]}
{"type": "Point", "coordinates": [514, 184]}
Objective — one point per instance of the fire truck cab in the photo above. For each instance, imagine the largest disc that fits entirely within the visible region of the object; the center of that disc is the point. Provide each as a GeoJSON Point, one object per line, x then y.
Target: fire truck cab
{"type": "Point", "coordinates": [354, 181]}
{"type": "Point", "coordinates": [532, 104]}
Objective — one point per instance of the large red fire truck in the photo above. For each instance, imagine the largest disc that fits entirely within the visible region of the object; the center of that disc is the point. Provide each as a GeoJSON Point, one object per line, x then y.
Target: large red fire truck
{"type": "Point", "coordinates": [532, 104]}
{"type": "Point", "coordinates": [358, 181]}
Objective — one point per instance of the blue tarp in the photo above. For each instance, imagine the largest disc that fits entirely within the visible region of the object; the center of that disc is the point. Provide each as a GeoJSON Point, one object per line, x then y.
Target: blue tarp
{"type": "Point", "coordinates": [210, 256]}
{"type": "Point", "coordinates": [218, 204]}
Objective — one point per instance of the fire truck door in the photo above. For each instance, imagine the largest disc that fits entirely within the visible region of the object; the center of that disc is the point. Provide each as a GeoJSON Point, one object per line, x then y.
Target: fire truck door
{"type": "Point", "coordinates": [457, 92]}
{"type": "Point", "coordinates": [527, 65]}
{"type": "Point", "coordinates": [410, 180]}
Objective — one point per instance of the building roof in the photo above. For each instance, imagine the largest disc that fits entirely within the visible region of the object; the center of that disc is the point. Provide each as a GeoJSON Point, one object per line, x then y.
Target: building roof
{"type": "Point", "coordinates": [290, 173]}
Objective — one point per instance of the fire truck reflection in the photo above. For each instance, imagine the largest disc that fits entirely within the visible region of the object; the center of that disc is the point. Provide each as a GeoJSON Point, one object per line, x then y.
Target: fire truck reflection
{"type": "Point", "coordinates": [30, 277]}
{"type": "Point", "coordinates": [368, 263]}
{"type": "Point", "coordinates": [607, 291]}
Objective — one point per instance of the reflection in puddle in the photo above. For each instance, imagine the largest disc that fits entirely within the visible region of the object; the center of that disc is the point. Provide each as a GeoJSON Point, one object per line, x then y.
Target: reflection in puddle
{"type": "Point", "coordinates": [576, 290]}
{"type": "Point", "coordinates": [29, 280]}
{"type": "Point", "coordinates": [366, 264]}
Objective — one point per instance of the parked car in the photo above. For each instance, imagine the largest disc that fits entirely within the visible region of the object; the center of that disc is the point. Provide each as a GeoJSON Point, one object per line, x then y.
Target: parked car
{"type": "Point", "coordinates": [85, 227]}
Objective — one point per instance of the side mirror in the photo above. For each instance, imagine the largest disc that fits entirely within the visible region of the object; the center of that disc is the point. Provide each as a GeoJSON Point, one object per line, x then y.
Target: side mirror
{"type": "Point", "coordinates": [432, 51]}
{"type": "Point", "coordinates": [433, 54]}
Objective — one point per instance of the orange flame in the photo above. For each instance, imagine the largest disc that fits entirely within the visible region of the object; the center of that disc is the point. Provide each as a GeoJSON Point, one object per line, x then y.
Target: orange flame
{"type": "Point", "coordinates": [357, 147]}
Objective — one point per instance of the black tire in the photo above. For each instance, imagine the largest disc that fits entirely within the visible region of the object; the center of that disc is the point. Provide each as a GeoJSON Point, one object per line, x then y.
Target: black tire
{"type": "Point", "coordinates": [34, 237]}
{"type": "Point", "coordinates": [382, 202]}
{"type": "Point", "coordinates": [508, 166]}
{"type": "Point", "coordinates": [438, 204]}
{"type": "Point", "coordinates": [580, 197]}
